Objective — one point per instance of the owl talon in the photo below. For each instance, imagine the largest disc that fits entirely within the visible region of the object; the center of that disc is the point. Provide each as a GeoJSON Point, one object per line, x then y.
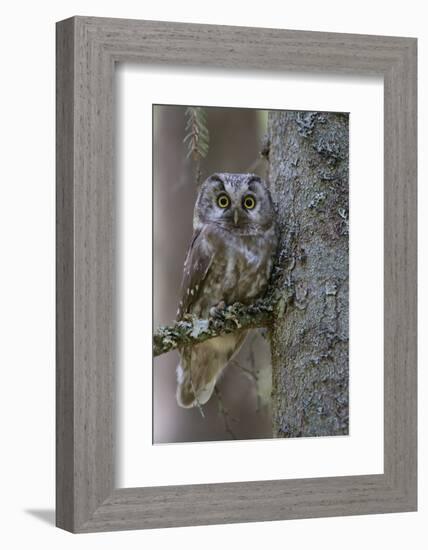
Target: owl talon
{"type": "Point", "coordinates": [217, 311]}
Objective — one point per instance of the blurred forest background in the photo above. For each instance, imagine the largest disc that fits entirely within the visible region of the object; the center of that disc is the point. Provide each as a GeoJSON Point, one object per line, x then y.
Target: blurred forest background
{"type": "Point", "coordinates": [243, 408]}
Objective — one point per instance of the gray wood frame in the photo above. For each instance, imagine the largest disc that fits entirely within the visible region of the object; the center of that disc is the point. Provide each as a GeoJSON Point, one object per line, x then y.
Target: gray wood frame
{"type": "Point", "coordinates": [87, 50]}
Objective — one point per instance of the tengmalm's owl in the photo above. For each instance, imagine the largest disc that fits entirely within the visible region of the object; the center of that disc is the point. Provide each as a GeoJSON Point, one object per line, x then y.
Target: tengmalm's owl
{"type": "Point", "coordinates": [229, 260]}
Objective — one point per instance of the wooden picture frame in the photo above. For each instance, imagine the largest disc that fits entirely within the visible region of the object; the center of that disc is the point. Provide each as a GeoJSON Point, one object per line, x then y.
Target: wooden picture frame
{"type": "Point", "coordinates": [87, 50]}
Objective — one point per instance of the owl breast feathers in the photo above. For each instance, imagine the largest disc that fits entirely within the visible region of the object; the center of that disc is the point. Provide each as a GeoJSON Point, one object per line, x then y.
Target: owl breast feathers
{"type": "Point", "coordinates": [229, 260]}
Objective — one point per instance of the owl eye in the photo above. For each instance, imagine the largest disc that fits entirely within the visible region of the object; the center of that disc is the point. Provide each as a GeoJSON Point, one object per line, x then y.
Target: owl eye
{"type": "Point", "coordinates": [223, 200]}
{"type": "Point", "coordinates": [249, 202]}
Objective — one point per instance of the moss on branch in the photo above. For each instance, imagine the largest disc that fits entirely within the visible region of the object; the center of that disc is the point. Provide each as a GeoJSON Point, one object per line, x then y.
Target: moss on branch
{"type": "Point", "coordinates": [192, 330]}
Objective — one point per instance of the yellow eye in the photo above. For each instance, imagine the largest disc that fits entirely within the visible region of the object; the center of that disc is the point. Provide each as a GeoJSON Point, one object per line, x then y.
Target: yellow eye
{"type": "Point", "coordinates": [223, 200]}
{"type": "Point", "coordinates": [249, 202]}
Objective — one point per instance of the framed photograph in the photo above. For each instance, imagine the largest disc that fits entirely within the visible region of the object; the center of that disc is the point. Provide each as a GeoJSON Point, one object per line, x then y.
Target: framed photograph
{"type": "Point", "coordinates": [236, 274]}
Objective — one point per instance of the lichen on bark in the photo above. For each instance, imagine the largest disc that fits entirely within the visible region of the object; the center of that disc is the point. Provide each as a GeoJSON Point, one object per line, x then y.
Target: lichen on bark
{"type": "Point", "coordinates": [308, 177]}
{"type": "Point", "coordinates": [192, 330]}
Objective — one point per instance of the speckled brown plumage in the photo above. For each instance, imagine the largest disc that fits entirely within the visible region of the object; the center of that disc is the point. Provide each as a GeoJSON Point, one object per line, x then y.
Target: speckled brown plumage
{"type": "Point", "coordinates": [229, 260]}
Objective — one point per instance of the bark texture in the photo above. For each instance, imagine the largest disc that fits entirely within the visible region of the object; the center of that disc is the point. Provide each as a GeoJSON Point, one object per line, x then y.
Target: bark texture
{"type": "Point", "coordinates": [308, 176]}
{"type": "Point", "coordinates": [192, 330]}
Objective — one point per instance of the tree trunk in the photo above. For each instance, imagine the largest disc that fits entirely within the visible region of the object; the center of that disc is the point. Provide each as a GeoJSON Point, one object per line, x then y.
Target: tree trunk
{"type": "Point", "coordinates": [308, 176]}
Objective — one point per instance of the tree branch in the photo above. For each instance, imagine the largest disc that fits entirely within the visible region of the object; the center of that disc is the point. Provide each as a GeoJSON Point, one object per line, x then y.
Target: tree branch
{"type": "Point", "coordinates": [192, 330]}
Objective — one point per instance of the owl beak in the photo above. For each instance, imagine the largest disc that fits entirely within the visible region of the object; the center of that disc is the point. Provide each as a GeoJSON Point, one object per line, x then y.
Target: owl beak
{"type": "Point", "coordinates": [235, 217]}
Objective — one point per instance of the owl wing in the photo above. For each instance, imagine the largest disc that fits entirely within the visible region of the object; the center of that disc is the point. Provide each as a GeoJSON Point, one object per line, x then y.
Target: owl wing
{"type": "Point", "coordinates": [196, 267]}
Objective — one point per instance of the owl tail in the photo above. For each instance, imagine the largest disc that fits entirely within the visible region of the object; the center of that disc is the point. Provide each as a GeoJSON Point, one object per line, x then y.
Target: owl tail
{"type": "Point", "coordinates": [197, 373]}
{"type": "Point", "coordinates": [201, 366]}
{"type": "Point", "coordinates": [187, 395]}
{"type": "Point", "coordinates": [190, 395]}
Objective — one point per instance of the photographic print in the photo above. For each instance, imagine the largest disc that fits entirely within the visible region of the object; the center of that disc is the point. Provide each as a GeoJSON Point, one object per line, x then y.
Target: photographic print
{"type": "Point", "coordinates": [250, 273]}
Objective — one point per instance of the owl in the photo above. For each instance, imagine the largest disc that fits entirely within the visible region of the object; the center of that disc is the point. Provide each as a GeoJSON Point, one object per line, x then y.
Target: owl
{"type": "Point", "coordinates": [229, 260]}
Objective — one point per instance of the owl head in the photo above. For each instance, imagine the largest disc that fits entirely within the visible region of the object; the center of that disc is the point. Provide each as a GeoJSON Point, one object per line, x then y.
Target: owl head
{"type": "Point", "coordinates": [238, 202]}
